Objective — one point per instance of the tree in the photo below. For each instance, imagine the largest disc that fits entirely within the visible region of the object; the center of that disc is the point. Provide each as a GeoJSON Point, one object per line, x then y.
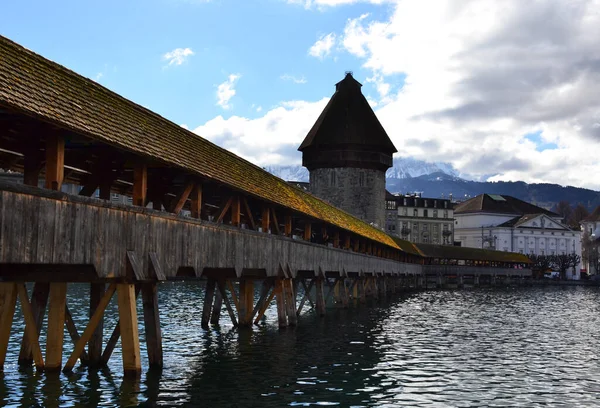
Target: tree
{"type": "Point", "coordinates": [540, 264]}
{"type": "Point", "coordinates": [564, 262]}
{"type": "Point", "coordinates": [579, 214]}
{"type": "Point", "coordinates": [564, 209]}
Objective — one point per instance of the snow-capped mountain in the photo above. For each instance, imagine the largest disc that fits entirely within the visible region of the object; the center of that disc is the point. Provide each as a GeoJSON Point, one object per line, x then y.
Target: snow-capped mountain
{"type": "Point", "coordinates": [404, 167]}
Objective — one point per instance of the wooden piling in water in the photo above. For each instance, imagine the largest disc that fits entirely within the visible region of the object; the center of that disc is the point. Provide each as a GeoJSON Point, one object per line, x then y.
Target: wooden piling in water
{"type": "Point", "coordinates": [56, 326]}
{"type": "Point", "coordinates": [95, 343]}
{"type": "Point", "coordinates": [8, 301]}
{"type": "Point", "coordinates": [152, 324]}
{"type": "Point", "coordinates": [130, 341]}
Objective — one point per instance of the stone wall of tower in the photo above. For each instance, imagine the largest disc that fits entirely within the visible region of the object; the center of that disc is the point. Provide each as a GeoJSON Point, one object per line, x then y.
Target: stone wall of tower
{"type": "Point", "coordinates": [361, 192]}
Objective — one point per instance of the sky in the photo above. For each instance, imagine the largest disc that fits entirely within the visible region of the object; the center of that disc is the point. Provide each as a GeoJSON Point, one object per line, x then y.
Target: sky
{"type": "Point", "coordinates": [501, 89]}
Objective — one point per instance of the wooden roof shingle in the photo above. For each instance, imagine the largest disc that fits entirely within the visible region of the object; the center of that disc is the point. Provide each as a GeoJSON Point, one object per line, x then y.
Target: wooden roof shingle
{"type": "Point", "coordinates": [49, 92]}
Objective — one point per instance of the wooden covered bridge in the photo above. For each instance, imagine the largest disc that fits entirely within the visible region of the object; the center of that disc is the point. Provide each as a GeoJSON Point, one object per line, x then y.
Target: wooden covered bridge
{"type": "Point", "coordinates": [198, 211]}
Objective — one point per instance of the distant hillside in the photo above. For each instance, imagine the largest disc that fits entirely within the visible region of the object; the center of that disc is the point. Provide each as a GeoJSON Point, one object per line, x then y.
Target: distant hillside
{"type": "Point", "coordinates": [437, 179]}
{"type": "Point", "coordinates": [544, 195]}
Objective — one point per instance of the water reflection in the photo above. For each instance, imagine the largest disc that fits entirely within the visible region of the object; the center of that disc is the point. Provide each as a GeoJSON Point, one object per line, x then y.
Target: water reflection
{"type": "Point", "coordinates": [484, 347]}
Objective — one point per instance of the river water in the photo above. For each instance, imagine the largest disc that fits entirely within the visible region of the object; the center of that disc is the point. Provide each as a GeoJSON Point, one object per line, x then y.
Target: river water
{"type": "Point", "coordinates": [512, 346]}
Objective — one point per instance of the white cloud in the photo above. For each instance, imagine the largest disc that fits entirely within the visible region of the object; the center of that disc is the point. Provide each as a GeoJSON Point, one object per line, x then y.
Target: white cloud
{"type": "Point", "coordinates": [294, 79]}
{"type": "Point", "coordinates": [270, 139]}
{"type": "Point", "coordinates": [226, 91]}
{"type": "Point", "coordinates": [178, 56]}
{"type": "Point", "coordinates": [479, 76]}
{"type": "Point", "coordinates": [323, 46]}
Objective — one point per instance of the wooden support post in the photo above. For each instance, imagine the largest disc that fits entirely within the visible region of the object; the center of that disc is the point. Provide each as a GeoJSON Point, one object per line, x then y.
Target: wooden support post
{"type": "Point", "coordinates": [274, 222]}
{"type": "Point", "coordinates": [246, 302]}
{"type": "Point", "coordinates": [344, 291]}
{"type": "Point", "coordinates": [140, 184]}
{"type": "Point", "coordinates": [320, 296]}
{"type": "Point", "coordinates": [39, 299]}
{"type": "Point", "coordinates": [347, 242]}
{"type": "Point", "coordinates": [236, 209]}
{"type": "Point", "coordinates": [30, 326]}
{"type": "Point", "coordinates": [224, 210]}
{"type": "Point", "coordinates": [56, 325]}
{"type": "Point", "coordinates": [217, 306]}
{"type": "Point", "coordinates": [91, 327]}
{"type": "Point", "coordinates": [279, 299]}
{"type": "Point", "coordinates": [249, 215]}
{"type": "Point", "coordinates": [55, 161]}
{"type": "Point", "coordinates": [130, 340]}
{"type": "Point", "coordinates": [363, 289]}
{"type": "Point", "coordinates": [290, 301]}
{"type": "Point", "coordinates": [32, 165]}
{"type": "Point", "coordinates": [208, 302]}
{"type": "Point", "coordinates": [152, 324]}
{"type": "Point", "coordinates": [95, 343]}
{"type": "Point", "coordinates": [355, 289]}
{"type": "Point", "coordinates": [234, 298]}
{"type": "Point", "coordinates": [180, 200]}
{"type": "Point", "coordinates": [336, 239]}
{"type": "Point", "coordinates": [75, 334]}
{"type": "Point", "coordinates": [266, 219]}
{"type": "Point", "coordinates": [262, 303]}
{"type": "Point", "coordinates": [287, 225]}
{"type": "Point", "coordinates": [306, 295]}
{"type": "Point", "coordinates": [221, 286]}
{"type": "Point", "coordinates": [356, 245]}
{"type": "Point", "coordinates": [8, 301]}
{"type": "Point", "coordinates": [196, 199]}
{"type": "Point", "coordinates": [307, 231]}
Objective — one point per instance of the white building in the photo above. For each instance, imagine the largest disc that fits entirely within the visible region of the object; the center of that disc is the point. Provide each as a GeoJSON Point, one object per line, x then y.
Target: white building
{"type": "Point", "coordinates": [420, 220]}
{"type": "Point", "coordinates": [591, 231]}
{"type": "Point", "coordinates": [508, 224]}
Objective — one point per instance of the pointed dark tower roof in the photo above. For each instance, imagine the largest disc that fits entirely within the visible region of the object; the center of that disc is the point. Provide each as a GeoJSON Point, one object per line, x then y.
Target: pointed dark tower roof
{"type": "Point", "coordinates": [347, 124]}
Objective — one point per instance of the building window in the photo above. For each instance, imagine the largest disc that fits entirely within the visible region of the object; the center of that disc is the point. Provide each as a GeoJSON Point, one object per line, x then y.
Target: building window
{"type": "Point", "coordinates": [434, 203]}
{"type": "Point", "coordinates": [435, 214]}
{"type": "Point", "coordinates": [445, 204]}
{"type": "Point", "coordinates": [405, 202]}
{"type": "Point", "coordinates": [415, 226]}
{"type": "Point", "coordinates": [405, 211]}
{"type": "Point", "coordinates": [425, 227]}
{"type": "Point", "coordinates": [415, 212]}
{"type": "Point", "coordinates": [424, 213]}
{"type": "Point", "coordinates": [425, 203]}
{"type": "Point", "coordinates": [445, 213]}
{"type": "Point", "coordinates": [445, 227]}
{"type": "Point", "coordinates": [361, 179]}
{"type": "Point", "coordinates": [390, 205]}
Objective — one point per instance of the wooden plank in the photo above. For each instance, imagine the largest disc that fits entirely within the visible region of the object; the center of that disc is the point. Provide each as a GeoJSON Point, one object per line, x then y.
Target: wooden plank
{"type": "Point", "coordinates": [140, 184]}
{"type": "Point", "coordinates": [307, 231]}
{"type": "Point", "coordinates": [236, 211]}
{"type": "Point", "coordinates": [30, 326]}
{"type": "Point", "coordinates": [224, 210]}
{"type": "Point", "coordinates": [56, 325]}
{"type": "Point", "coordinates": [8, 301]}
{"type": "Point", "coordinates": [196, 201]}
{"type": "Point", "coordinates": [39, 300]}
{"type": "Point", "coordinates": [74, 334]}
{"type": "Point", "coordinates": [55, 161]}
{"type": "Point", "coordinates": [266, 219]}
{"type": "Point", "coordinates": [249, 214]}
{"type": "Point", "coordinates": [208, 301]}
{"type": "Point", "coordinates": [152, 324]}
{"type": "Point", "coordinates": [180, 200]}
{"type": "Point", "coordinates": [91, 327]}
{"type": "Point", "coordinates": [130, 340]}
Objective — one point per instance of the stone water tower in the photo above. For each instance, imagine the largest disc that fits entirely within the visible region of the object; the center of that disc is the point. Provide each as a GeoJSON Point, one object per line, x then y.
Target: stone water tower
{"type": "Point", "coordinates": [347, 153]}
